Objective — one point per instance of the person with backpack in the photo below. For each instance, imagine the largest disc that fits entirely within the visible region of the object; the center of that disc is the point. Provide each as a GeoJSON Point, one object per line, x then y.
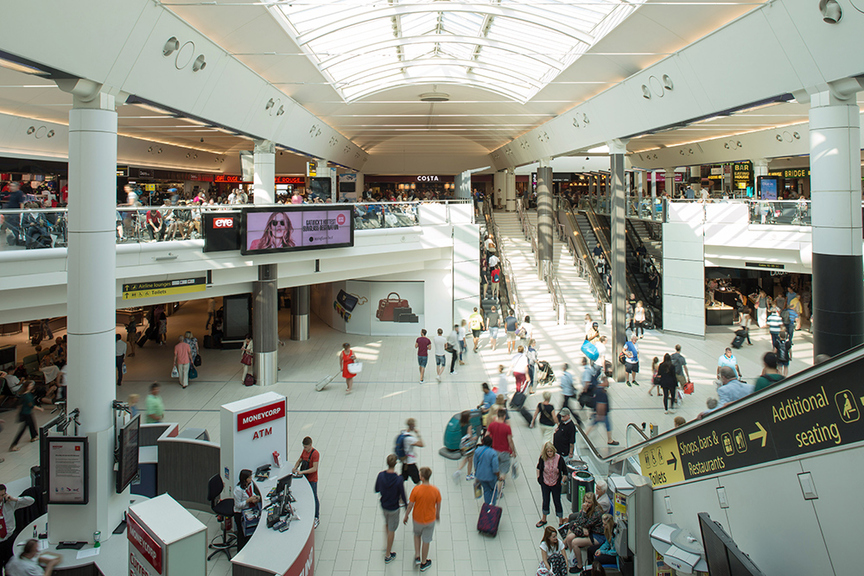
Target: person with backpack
{"type": "Point", "coordinates": [475, 321]}
{"type": "Point", "coordinates": [406, 442]}
{"type": "Point", "coordinates": [392, 490]}
{"type": "Point", "coordinates": [307, 465]}
{"type": "Point", "coordinates": [783, 352]}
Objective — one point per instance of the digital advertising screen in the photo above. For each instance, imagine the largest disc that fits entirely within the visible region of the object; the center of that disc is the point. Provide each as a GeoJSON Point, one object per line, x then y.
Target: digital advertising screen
{"type": "Point", "coordinates": [268, 230]}
{"type": "Point", "coordinates": [768, 187]}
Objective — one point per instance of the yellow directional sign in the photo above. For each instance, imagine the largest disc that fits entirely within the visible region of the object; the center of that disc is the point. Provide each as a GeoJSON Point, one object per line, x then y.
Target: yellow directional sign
{"type": "Point", "coordinates": [662, 462]}
{"type": "Point", "coordinates": [164, 288]}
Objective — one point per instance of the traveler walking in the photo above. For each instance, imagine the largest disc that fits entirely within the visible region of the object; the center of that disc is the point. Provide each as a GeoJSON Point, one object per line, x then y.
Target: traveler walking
{"type": "Point", "coordinates": [246, 356]}
{"type": "Point", "coordinates": [25, 414]}
{"type": "Point", "coordinates": [463, 347]}
{"type": "Point", "coordinates": [475, 321]}
{"type": "Point", "coordinates": [655, 380]}
{"type": "Point", "coordinates": [783, 351]}
{"type": "Point", "coordinates": [440, 344]}
{"type": "Point", "coordinates": [668, 382]}
{"type": "Point", "coordinates": [510, 327]}
{"type": "Point", "coordinates": [182, 360]}
{"type": "Point", "coordinates": [775, 325]}
{"type": "Point", "coordinates": [467, 445]}
{"type": "Point", "coordinates": [131, 335]}
{"type": "Point", "coordinates": [452, 346]}
{"type": "Point", "coordinates": [531, 356]}
{"type": "Point", "coordinates": [761, 301]}
{"type": "Point", "coordinates": [155, 409]}
{"type": "Point", "coordinates": [425, 502]}
{"type": "Point", "coordinates": [545, 412]}
{"type": "Point", "coordinates": [119, 358]}
{"type": "Point", "coordinates": [493, 319]}
{"type": "Point", "coordinates": [551, 470]}
{"type": "Point", "coordinates": [307, 465]}
{"type": "Point", "coordinates": [487, 468]}
{"type": "Point", "coordinates": [631, 359]}
{"type": "Point", "coordinates": [519, 367]}
{"type": "Point", "coordinates": [564, 438]}
{"type": "Point", "coordinates": [391, 487]}
{"type": "Point", "coordinates": [682, 374]}
{"type": "Point", "coordinates": [770, 374]}
{"type": "Point", "coordinates": [526, 330]}
{"type": "Point", "coordinates": [406, 443]}
{"type": "Point", "coordinates": [568, 391]}
{"type": "Point", "coordinates": [728, 359]}
{"type": "Point", "coordinates": [502, 442]}
{"type": "Point", "coordinates": [346, 358]}
{"type": "Point", "coordinates": [601, 409]}
{"type": "Point", "coordinates": [639, 319]}
{"type": "Point", "coordinates": [422, 345]}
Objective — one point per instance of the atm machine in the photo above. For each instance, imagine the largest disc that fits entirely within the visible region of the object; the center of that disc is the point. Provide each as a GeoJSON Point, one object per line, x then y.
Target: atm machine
{"type": "Point", "coordinates": [633, 509]}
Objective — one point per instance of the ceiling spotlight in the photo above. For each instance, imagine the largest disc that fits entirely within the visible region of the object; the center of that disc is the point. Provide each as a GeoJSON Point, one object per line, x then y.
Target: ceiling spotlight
{"type": "Point", "coordinates": [831, 12]}
{"type": "Point", "coordinates": [171, 46]}
{"type": "Point", "coordinates": [796, 135]}
{"type": "Point", "coordinates": [31, 130]}
{"type": "Point", "coordinates": [195, 156]}
{"type": "Point", "coordinates": [667, 82]}
{"type": "Point", "coordinates": [199, 63]}
{"type": "Point", "coordinates": [280, 111]}
{"type": "Point", "coordinates": [270, 104]}
{"type": "Point", "coordinates": [51, 133]}
{"type": "Point", "coordinates": [779, 138]}
{"type": "Point", "coordinates": [646, 92]}
{"type": "Point", "coordinates": [150, 149]}
{"type": "Point", "coordinates": [434, 97]}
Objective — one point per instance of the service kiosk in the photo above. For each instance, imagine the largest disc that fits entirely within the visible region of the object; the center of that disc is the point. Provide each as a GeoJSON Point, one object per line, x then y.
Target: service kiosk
{"type": "Point", "coordinates": [254, 434]}
{"type": "Point", "coordinates": [165, 539]}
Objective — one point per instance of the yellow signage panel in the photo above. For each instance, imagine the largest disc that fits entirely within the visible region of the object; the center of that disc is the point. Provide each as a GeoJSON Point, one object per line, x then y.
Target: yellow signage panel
{"type": "Point", "coordinates": [163, 288]}
{"type": "Point", "coordinates": [662, 462]}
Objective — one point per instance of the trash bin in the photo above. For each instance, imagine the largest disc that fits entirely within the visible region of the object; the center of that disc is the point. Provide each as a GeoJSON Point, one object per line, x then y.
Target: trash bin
{"type": "Point", "coordinates": [581, 482]}
{"type": "Point", "coordinates": [573, 465]}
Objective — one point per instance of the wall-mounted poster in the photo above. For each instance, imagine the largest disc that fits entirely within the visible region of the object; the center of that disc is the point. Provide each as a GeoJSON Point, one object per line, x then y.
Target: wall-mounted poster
{"type": "Point", "coordinates": [67, 470]}
{"type": "Point", "coordinates": [267, 230]}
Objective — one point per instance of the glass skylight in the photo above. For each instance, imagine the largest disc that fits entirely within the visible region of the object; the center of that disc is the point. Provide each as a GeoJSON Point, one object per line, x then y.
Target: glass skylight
{"type": "Point", "coordinates": [510, 47]}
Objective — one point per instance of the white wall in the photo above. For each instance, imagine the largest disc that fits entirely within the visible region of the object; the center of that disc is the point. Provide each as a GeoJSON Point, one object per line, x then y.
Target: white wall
{"type": "Point", "coordinates": [684, 270]}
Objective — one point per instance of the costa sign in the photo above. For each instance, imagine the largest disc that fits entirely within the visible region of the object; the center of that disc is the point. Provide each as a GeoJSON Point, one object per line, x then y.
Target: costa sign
{"type": "Point", "coordinates": [260, 415]}
{"type": "Point", "coordinates": [223, 222]}
{"type": "Point", "coordinates": [146, 545]}
{"type": "Point", "coordinates": [428, 179]}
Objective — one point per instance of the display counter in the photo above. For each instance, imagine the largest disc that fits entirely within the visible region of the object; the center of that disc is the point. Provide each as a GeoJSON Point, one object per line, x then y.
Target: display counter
{"type": "Point", "coordinates": [719, 315]}
{"type": "Point", "coordinates": [270, 552]}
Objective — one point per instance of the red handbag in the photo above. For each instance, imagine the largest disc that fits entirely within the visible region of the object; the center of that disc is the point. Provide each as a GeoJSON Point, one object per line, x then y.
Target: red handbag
{"type": "Point", "coordinates": [688, 387]}
{"type": "Point", "coordinates": [386, 307]}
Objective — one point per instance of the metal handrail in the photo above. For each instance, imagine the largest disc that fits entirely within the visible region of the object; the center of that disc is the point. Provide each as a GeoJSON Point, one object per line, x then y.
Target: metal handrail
{"type": "Point", "coordinates": [509, 284]}
{"type": "Point", "coordinates": [581, 257]}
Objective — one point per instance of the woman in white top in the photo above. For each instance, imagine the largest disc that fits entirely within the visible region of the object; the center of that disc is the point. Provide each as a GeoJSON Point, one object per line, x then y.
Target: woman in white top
{"type": "Point", "coordinates": [247, 356]}
{"type": "Point", "coordinates": [246, 495]}
{"type": "Point", "coordinates": [589, 326]}
{"type": "Point", "coordinates": [639, 318]}
{"type": "Point", "coordinates": [518, 367]}
{"type": "Point", "coordinates": [553, 554]}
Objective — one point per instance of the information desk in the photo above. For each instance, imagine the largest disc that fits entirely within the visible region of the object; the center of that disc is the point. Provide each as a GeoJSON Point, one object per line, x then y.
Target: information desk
{"type": "Point", "coordinates": [113, 556]}
{"type": "Point", "coordinates": [270, 552]}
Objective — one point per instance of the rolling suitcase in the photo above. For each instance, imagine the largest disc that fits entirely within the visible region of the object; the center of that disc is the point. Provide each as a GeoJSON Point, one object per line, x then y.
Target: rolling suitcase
{"type": "Point", "coordinates": [518, 400]}
{"type": "Point", "coordinates": [738, 341]}
{"type": "Point", "coordinates": [525, 414]}
{"type": "Point", "coordinates": [490, 517]}
{"type": "Point", "coordinates": [208, 341]}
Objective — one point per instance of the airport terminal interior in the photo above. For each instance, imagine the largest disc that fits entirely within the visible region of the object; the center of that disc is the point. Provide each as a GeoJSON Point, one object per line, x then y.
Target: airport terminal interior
{"type": "Point", "coordinates": [599, 183]}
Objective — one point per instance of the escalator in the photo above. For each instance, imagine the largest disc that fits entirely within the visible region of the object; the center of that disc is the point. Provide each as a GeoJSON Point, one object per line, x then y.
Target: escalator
{"type": "Point", "coordinates": [600, 230]}
{"type": "Point", "coordinates": [765, 467]}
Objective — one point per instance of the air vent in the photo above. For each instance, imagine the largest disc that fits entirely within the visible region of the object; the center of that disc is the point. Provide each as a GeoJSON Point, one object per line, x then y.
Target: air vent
{"type": "Point", "coordinates": [434, 97]}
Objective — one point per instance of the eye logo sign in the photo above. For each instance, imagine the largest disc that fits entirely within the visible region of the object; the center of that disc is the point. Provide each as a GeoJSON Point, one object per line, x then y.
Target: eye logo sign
{"type": "Point", "coordinates": [223, 222]}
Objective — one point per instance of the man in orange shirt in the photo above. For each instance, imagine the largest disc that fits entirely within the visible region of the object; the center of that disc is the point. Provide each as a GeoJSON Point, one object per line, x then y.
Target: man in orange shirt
{"type": "Point", "coordinates": [425, 501]}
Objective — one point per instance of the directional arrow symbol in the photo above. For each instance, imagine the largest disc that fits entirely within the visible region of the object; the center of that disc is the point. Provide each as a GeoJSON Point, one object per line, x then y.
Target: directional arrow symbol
{"type": "Point", "coordinates": [673, 461]}
{"type": "Point", "coordinates": [761, 433]}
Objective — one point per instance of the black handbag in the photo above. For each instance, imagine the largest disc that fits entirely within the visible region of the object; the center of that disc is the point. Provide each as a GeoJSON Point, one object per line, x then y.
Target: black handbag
{"type": "Point", "coordinates": [348, 301]}
{"type": "Point", "coordinates": [197, 361]}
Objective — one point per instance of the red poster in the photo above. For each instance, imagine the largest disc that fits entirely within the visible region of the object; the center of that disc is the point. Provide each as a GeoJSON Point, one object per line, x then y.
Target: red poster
{"type": "Point", "coordinates": [262, 415]}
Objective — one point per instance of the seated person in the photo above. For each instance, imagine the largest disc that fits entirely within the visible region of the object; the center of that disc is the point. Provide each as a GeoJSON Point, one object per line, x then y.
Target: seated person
{"type": "Point", "coordinates": [600, 490]}
{"type": "Point", "coordinates": [585, 530]}
{"type": "Point", "coordinates": [605, 553]}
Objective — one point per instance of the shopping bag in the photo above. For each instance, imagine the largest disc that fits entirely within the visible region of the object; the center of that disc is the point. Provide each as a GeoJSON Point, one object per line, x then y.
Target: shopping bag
{"type": "Point", "coordinates": [355, 367]}
{"type": "Point", "coordinates": [193, 373]}
{"type": "Point", "coordinates": [175, 373]}
{"type": "Point", "coordinates": [590, 350]}
{"type": "Point", "coordinates": [688, 387]}
{"type": "Point", "coordinates": [124, 368]}
{"type": "Point", "coordinates": [514, 468]}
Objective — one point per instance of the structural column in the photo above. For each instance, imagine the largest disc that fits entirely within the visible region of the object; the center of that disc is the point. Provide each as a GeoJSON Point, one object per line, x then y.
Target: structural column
{"type": "Point", "coordinates": [265, 172]}
{"type": "Point", "coordinates": [499, 185]}
{"type": "Point", "coordinates": [617, 150]}
{"type": "Point", "coordinates": [669, 183]}
{"type": "Point", "coordinates": [91, 301]}
{"type": "Point", "coordinates": [640, 187]}
{"type": "Point", "coordinates": [300, 298]}
{"type": "Point", "coordinates": [695, 177]}
{"type": "Point", "coordinates": [760, 168]}
{"type": "Point", "coordinates": [835, 180]}
{"type": "Point", "coordinates": [265, 324]}
{"type": "Point", "coordinates": [545, 223]}
{"type": "Point", "coordinates": [510, 190]}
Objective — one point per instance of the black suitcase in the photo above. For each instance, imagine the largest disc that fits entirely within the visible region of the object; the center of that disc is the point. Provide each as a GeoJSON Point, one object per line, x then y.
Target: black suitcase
{"type": "Point", "coordinates": [208, 341]}
{"type": "Point", "coordinates": [526, 414]}
{"type": "Point", "coordinates": [144, 337]}
{"type": "Point", "coordinates": [518, 400]}
{"type": "Point", "coordinates": [738, 341]}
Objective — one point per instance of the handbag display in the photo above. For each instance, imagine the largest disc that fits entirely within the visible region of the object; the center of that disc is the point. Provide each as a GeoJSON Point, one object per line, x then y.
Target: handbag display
{"type": "Point", "coordinates": [387, 307]}
{"type": "Point", "coordinates": [346, 300]}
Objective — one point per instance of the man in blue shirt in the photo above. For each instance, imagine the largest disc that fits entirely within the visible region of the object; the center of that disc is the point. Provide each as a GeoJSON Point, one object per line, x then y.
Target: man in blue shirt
{"type": "Point", "coordinates": [486, 469]}
{"type": "Point", "coordinates": [567, 390]}
{"type": "Point", "coordinates": [488, 399]}
{"type": "Point", "coordinates": [631, 359]}
{"type": "Point", "coordinates": [728, 359]}
{"type": "Point", "coordinates": [14, 202]}
{"type": "Point", "coordinates": [732, 389]}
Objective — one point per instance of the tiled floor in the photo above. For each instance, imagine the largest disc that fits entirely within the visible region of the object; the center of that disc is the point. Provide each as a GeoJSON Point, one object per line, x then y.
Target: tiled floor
{"type": "Point", "coordinates": [355, 433]}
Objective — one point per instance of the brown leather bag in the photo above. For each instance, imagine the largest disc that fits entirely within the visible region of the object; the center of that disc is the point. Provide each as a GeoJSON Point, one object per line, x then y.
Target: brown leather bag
{"type": "Point", "coordinates": [386, 306]}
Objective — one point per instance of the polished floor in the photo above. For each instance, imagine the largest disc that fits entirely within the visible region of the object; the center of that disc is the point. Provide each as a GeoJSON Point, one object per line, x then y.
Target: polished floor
{"type": "Point", "coordinates": [354, 433]}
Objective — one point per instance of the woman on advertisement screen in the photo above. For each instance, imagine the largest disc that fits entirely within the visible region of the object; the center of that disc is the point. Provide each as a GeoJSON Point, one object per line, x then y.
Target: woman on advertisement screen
{"type": "Point", "coordinates": [277, 233]}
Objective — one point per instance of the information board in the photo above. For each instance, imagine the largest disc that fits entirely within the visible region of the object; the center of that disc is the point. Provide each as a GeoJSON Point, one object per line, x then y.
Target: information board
{"type": "Point", "coordinates": [309, 227]}
{"type": "Point", "coordinates": [824, 412]}
{"type": "Point", "coordinates": [164, 288]}
{"type": "Point", "coordinates": [67, 470]}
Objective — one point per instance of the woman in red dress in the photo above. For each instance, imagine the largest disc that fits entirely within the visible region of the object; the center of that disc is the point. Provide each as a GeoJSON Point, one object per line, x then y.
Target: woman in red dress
{"type": "Point", "coordinates": [346, 357]}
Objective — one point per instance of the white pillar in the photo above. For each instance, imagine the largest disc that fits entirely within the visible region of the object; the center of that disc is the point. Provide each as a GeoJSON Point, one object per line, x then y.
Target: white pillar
{"type": "Point", "coordinates": [640, 188]}
{"type": "Point", "coordinates": [696, 175]}
{"type": "Point", "coordinates": [669, 184]}
{"type": "Point", "coordinates": [510, 190]}
{"type": "Point", "coordinates": [835, 180]}
{"type": "Point", "coordinates": [653, 185]}
{"type": "Point", "coordinates": [499, 185]}
{"type": "Point", "coordinates": [360, 186]}
{"type": "Point", "coordinates": [760, 168]}
{"type": "Point", "coordinates": [91, 300]}
{"type": "Point", "coordinates": [265, 172]}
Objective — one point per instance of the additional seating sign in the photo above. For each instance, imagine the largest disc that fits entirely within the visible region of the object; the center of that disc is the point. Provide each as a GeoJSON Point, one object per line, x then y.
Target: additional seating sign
{"type": "Point", "coordinates": [302, 227]}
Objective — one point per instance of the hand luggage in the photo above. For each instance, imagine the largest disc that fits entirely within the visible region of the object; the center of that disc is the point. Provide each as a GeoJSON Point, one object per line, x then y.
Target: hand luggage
{"type": "Point", "coordinates": [249, 380]}
{"type": "Point", "coordinates": [142, 340]}
{"type": "Point", "coordinates": [208, 341]}
{"type": "Point", "coordinates": [518, 400]}
{"type": "Point", "coordinates": [325, 381]}
{"type": "Point", "coordinates": [526, 414]}
{"type": "Point", "coordinates": [688, 387]}
{"type": "Point", "coordinates": [590, 350]}
{"type": "Point", "coordinates": [738, 341]}
{"type": "Point", "coordinates": [490, 517]}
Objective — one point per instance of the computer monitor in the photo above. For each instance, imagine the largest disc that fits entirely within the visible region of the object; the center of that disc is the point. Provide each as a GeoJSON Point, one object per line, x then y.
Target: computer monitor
{"type": "Point", "coordinates": [284, 483]}
{"type": "Point", "coordinates": [722, 554]}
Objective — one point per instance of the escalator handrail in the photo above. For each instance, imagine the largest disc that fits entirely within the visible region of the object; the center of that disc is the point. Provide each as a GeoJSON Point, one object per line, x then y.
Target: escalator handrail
{"type": "Point", "coordinates": [807, 374]}
{"type": "Point", "coordinates": [580, 248]}
{"type": "Point", "coordinates": [508, 284]}
{"type": "Point", "coordinates": [630, 234]}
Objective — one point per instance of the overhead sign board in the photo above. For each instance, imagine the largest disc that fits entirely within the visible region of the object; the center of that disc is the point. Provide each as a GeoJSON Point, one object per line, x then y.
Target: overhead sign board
{"type": "Point", "coordinates": [164, 287]}
{"type": "Point", "coordinates": [822, 413]}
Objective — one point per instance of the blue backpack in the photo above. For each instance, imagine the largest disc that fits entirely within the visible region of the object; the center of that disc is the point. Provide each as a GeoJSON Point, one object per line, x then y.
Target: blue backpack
{"type": "Point", "coordinates": [399, 448]}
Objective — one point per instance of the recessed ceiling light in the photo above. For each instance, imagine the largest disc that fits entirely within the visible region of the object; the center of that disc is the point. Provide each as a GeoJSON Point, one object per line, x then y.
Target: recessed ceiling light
{"type": "Point", "coordinates": [434, 97]}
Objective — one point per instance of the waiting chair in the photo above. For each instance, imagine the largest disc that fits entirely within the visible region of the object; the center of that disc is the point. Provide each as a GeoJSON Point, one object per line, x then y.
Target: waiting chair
{"type": "Point", "coordinates": [224, 511]}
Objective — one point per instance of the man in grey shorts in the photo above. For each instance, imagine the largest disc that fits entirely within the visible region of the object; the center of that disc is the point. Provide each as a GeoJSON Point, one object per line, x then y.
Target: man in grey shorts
{"type": "Point", "coordinates": [425, 501]}
{"type": "Point", "coordinates": [392, 489]}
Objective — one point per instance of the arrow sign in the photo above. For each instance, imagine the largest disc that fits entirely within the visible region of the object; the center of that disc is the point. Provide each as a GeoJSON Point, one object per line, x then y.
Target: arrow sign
{"type": "Point", "coordinates": [761, 433]}
{"type": "Point", "coordinates": [673, 461]}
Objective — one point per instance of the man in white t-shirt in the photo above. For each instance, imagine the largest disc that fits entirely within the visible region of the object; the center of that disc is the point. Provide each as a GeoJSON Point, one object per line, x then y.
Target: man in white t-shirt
{"type": "Point", "coordinates": [439, 342]}
{"type": "Point", "coordinates": [410, 444]}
